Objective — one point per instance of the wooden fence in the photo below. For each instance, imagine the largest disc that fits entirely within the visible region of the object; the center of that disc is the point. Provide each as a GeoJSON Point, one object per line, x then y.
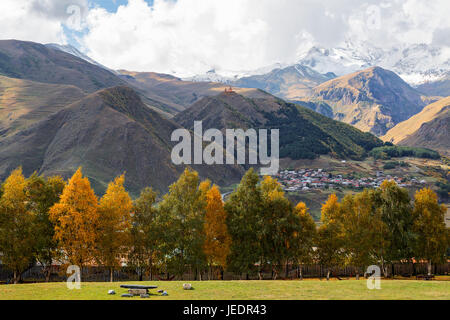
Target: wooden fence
{"type": "Point", "coordinates": [101, 274]}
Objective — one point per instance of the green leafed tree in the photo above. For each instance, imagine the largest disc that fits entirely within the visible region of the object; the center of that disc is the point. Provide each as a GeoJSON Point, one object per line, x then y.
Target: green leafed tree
{"type": "Point", "coordinates": [147, 234]}
{"type": "Point", "coordinates": [182, 217]}
{"type": "Point", "coordinates": [363, 230]}
{"type": "Point", "coordinates": [244, 211]}
{"type": "Point", "coordinates": [395, 209]}
{"type": "Point", "coordinates": [42, 193]}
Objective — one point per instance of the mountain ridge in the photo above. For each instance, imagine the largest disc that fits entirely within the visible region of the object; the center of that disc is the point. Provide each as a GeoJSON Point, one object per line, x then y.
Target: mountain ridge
{"type": "Point", "coordinates": [304, 134]}
{"type": "Point", "coordinates": [372, 100]}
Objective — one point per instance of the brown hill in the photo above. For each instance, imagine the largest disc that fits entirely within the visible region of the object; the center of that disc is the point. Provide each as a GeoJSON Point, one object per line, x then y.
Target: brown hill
{"type": "Point", "coordinates": [304, 134]}
{"type": "Point", "coordinates": [372, 100]}
{"type": "Point", "coordinates": [37, 62]}
{"type": "Point", "coordinates": [175, 94]}
{"type": "Point", "coordinates": [107, 133]}
{"type": "Point", "coordinates": [429, 128]}
{"type": "Point", "coordinates": [24, 102]}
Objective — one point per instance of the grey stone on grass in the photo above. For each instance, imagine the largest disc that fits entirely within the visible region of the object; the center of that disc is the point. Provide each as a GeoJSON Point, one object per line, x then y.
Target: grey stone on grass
{"type": "Point", "coordinates": [187, 286]}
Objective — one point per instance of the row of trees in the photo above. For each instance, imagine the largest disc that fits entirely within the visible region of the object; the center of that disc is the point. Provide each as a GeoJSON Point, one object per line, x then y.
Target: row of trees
{"type": "Point", "coordinates": [45, 219]}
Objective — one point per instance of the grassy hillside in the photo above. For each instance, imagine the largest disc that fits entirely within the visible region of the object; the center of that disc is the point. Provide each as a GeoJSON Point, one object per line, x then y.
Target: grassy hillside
{"type": "Point", "coordinates": [24, 102]}
{"type": "Point", "coordinates": [304, 134]}
{"type": "Point", "coordinates": [107, 133]}
{"type": "Point", "coordinates": [408, 127]}
{"type": "Point", "coordinates": [433, 134]}
{"type": "Point", "coordinates": [33, 61]}
{"type": "Point", "coordinates": [173, 95]}
{"type": "Point", "coordinates": [429, 128]}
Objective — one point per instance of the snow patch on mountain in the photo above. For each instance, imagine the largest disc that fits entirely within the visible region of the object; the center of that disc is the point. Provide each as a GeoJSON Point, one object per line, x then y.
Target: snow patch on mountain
{"type": "Point", "coordinates": [77, 53]}
{"type": "Point", "coordinates": [416, 64]}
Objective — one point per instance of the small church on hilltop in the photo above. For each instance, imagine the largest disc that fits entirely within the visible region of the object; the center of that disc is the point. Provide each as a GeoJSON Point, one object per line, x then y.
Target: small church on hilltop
{"type": "Point", "coordinates": [229, 90]}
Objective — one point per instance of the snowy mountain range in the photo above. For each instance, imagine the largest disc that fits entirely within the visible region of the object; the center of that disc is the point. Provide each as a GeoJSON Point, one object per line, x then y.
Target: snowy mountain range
{"type": "Point", "coordinates": [416, 64]}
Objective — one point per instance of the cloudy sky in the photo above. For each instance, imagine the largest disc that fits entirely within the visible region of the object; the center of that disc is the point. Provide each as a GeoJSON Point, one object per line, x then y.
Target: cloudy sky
{"type": "Point", "coordinates": [189, 37]}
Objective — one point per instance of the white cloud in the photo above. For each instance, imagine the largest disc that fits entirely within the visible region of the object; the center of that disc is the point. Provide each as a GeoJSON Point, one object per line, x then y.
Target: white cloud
{"type": "Point", "coordinates": [19, 21]}
{"type": "Point", "coordinates": [40, 20]}
{"type": "Point", "coordinates": [192, 36]}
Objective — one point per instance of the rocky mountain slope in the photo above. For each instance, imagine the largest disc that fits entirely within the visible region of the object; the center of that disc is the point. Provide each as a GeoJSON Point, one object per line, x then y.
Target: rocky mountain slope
{"type": "Point", "coordinates": [372, 100]}
{"type": "Point", "coordinates": [291, 83]}
{"type": "Point", "coordinates": [439, 87]}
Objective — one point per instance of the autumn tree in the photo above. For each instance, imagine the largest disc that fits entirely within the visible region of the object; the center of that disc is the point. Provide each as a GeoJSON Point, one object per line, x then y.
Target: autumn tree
{"type": "Point", "coordinates": [114, 225]}
{"type": "Point", "coordinates": [146, 234]}
{"type": "Point", "coordinates": [363, 230]}
{"type": "Point", "coordinates": [277, 226]}
{"type": "Point", "coordinates": [330, 241]}
{"type": "Point", "coordinates": [182, 215]}
{"type": "Point", "coordinates": [76, 219]}
{"type": "Point", "coordinates": [305, 236]}
{"type": "Point", "coordinates": [17, 237]}
{"type": "Point", "coordinates": [429, 225]}
{"type": "Point", "coordinates": [42, 193]}
{"type": "Point", "coordinates": [244, 212]}
{"type": "Point", "coordinates": [217, 240]}
{"type": "Point", "coordinates": [394, 205]}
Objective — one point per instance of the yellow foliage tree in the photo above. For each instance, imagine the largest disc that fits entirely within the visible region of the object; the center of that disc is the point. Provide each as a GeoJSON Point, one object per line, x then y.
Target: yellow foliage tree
{"type": "Point", "coordinates": [17, 238]}
{"type": "Point", "coordinates": [305, 236]}
{"type": "Point", "coordinates": [114, 225]}
{"type": "Point", "coordinates": [277, 227]}
{"type": "Point", "coordinates": [217, 240]}
{"type": "Point", "coordinates": [429, 226]}
{"type": "Point", "coordinates": [330, 235]}
{"type": "Point", "coordinates": [76, 218]}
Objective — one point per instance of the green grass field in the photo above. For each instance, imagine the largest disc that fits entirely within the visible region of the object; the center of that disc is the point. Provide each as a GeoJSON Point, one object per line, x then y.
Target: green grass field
{"type": "Point", "coordinates": [240, 290]}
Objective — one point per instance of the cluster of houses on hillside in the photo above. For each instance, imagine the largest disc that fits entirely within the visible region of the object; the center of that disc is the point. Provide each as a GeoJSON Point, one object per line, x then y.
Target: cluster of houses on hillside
{"type": "Point", "coordinates": [306, 179]}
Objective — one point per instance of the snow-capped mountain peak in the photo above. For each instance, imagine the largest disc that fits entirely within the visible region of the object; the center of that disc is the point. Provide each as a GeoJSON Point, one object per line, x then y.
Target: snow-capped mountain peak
{"type": "Point", "coordinates": [416, 64]}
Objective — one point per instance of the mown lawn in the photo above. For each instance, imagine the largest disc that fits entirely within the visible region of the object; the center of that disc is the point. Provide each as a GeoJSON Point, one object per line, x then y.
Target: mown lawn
{"type": "Point", "coordinates": [239, 290]}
